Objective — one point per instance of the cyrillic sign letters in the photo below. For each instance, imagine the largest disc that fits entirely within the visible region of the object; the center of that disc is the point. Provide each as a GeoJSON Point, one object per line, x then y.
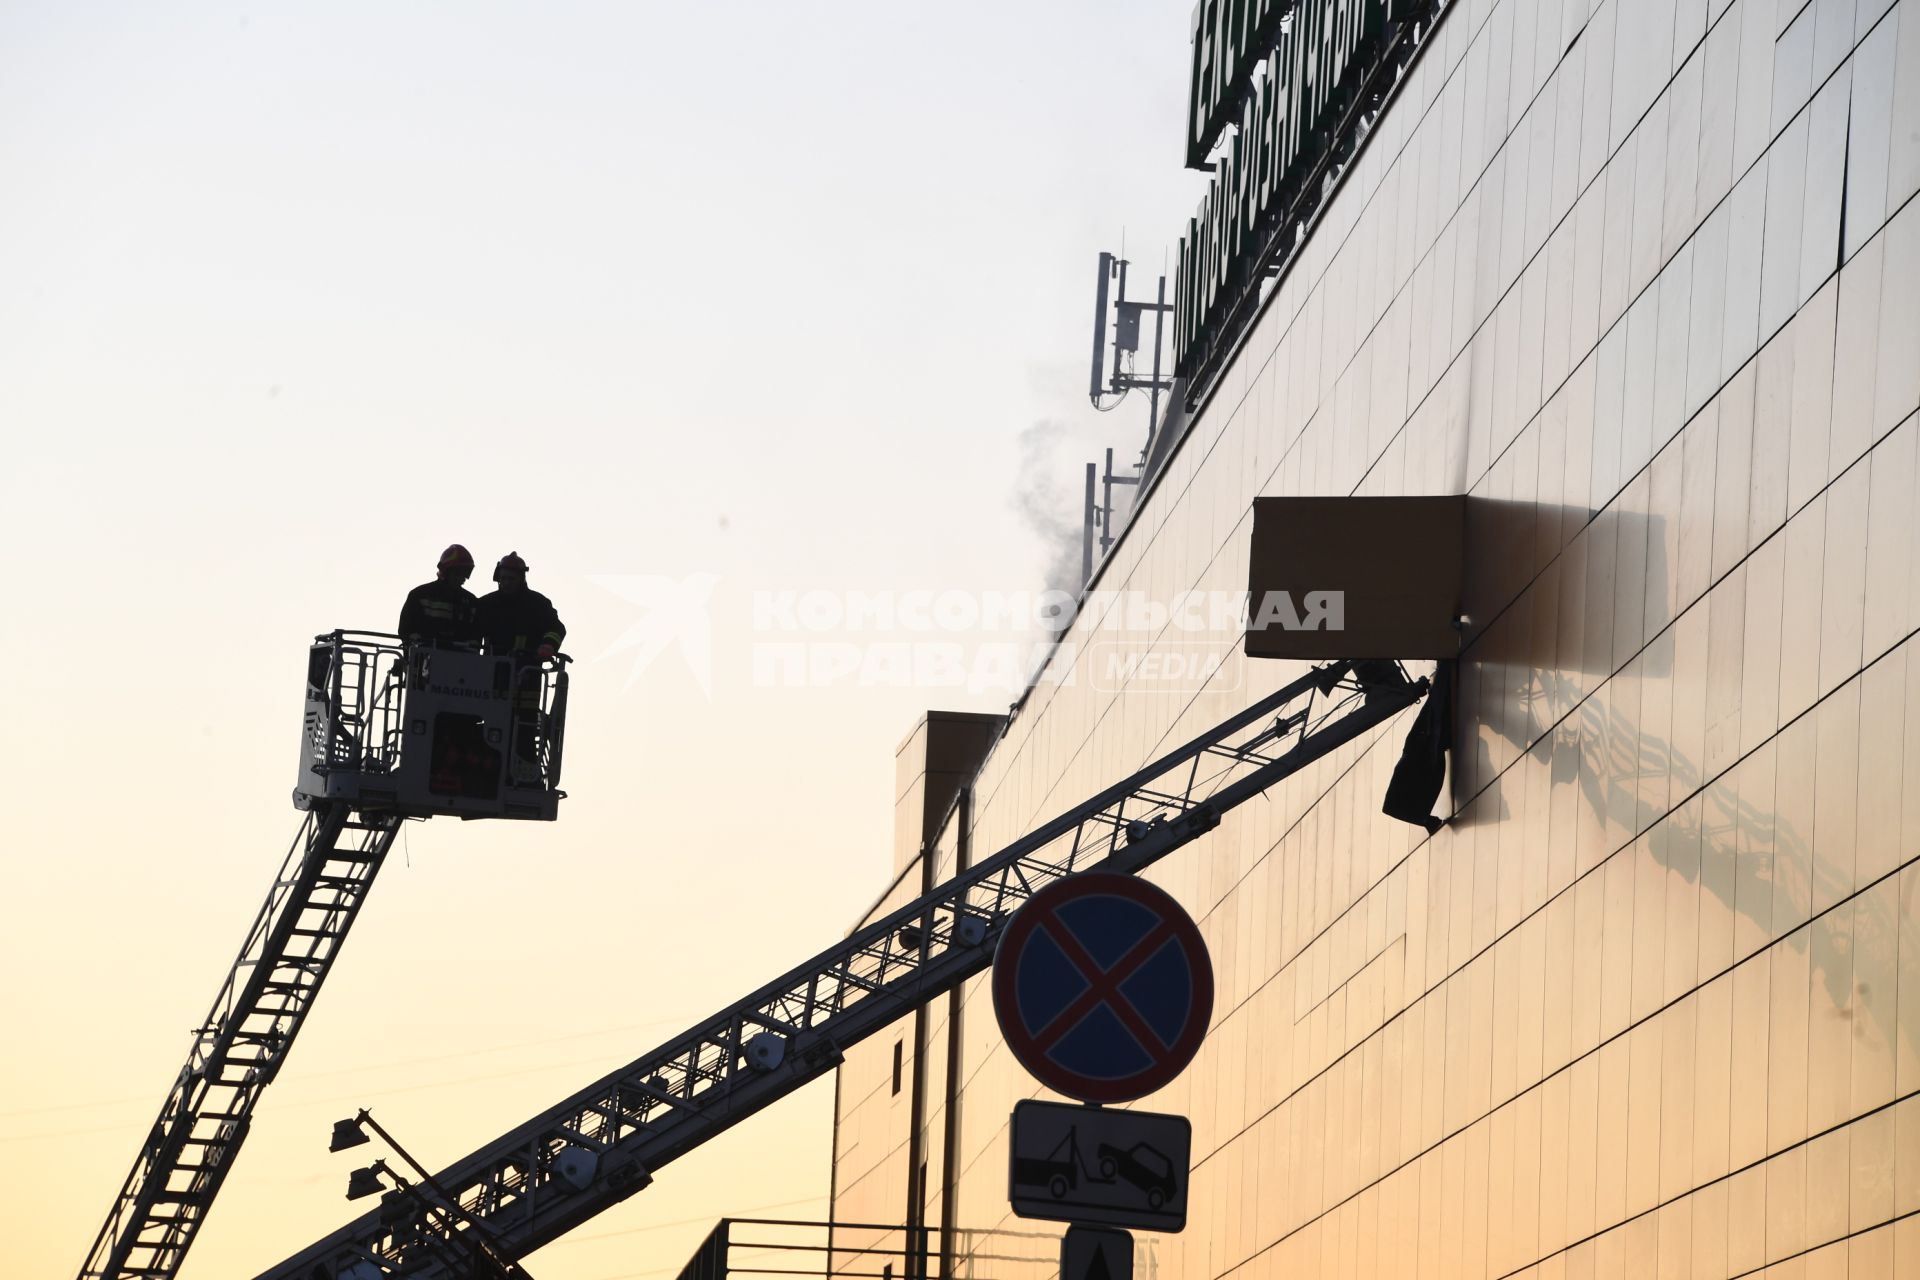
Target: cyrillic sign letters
{"type": "Point", "coordinates": [1284, 73]}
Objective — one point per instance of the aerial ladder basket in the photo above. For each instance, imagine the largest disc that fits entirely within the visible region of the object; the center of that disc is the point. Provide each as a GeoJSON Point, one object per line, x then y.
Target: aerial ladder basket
{"type": "Point", "coordinates": [389, 733]}
{"type": "Point", "coordinates": [605, 1142]}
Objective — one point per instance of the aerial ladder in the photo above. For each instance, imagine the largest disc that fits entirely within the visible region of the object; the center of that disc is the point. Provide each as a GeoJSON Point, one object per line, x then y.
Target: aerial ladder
{"type": "Point", "coordinates": [606, 1142]}
{"type": "Point", "coordinates": [389, 733]}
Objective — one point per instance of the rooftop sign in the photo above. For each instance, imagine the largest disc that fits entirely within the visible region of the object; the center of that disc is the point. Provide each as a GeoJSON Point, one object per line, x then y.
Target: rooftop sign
{"type": "Point", "coordinates": [1230, 39]}
{"type": "Point", "coordinates": [1296, 78]}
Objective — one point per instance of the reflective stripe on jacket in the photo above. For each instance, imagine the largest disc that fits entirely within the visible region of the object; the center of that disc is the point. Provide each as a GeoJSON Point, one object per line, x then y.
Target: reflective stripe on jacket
{"type": "Point", "coordinates": [439, 613]}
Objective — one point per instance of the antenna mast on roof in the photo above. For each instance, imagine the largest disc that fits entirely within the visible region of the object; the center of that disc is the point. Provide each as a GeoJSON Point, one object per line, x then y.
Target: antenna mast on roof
{"type": "Point", "coordinates": [1127, 315]}
{"type": "Point", "coordinates": [1117, 378]}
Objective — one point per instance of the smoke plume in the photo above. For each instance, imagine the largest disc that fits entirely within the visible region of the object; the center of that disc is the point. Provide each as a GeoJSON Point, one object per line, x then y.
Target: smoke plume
{"type": "Point", "coordinates": [1050, 509]}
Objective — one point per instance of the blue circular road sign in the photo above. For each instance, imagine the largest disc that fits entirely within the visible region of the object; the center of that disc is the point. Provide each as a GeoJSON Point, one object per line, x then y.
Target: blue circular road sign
{"type": "Point", "coordinates": [1103, 987]}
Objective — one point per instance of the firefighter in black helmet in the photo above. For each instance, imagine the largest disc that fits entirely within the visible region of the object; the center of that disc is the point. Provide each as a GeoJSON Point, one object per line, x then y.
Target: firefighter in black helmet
{"type": "Point", "coordinates": [440, 614]}
{"type": "Point", "coordinates": [518, 622]}
{"type": "Point", "coordinates": [515, 620]}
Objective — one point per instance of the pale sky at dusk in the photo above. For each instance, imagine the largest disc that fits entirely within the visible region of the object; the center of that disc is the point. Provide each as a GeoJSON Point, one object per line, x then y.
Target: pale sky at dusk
{"type": "Point", "coordinates": [694, 307]}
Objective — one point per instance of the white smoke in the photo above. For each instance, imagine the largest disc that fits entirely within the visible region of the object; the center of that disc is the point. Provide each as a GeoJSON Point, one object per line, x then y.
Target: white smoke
{"type": "Point", "coordinates": [1051, 509]}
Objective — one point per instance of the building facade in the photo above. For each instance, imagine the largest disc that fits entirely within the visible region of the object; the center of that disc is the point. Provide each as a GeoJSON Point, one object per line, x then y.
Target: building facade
{"type": "Point", "coordinates": [1641, 278]}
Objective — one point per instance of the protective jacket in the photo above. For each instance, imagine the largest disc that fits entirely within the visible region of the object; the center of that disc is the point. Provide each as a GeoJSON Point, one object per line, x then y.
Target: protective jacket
{"type": "Point", "coordinates": [518, 620]}
{"type": "Point", "coordinates": [439, 613]}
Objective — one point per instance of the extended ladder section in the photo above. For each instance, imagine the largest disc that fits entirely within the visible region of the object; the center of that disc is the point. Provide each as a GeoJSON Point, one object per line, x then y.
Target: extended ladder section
{"type": "Point", "coordinates": [240, 1046]}
{"type": "Point", "coordinates": [387, 733]}
{"type": "Point", "coordinates": [604, 1143]}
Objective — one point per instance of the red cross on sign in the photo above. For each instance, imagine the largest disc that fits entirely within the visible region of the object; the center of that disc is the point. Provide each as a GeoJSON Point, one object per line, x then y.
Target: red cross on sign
{"type": "Point", "coordinates": [1103, 987]}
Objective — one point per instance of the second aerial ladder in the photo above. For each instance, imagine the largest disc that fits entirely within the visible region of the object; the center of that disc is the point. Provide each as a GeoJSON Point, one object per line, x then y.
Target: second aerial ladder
{"type": "Point", "coordinates": [605, 1142]}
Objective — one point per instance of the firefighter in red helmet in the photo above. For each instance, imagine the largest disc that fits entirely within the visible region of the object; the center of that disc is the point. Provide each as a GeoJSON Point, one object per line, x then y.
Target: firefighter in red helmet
{"type": "Point", "coordinates": [440, 614]}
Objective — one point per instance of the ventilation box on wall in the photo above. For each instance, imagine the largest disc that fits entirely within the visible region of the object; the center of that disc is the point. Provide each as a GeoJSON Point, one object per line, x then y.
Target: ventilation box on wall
{"type": "Point", "coordinates": [1356, 577]}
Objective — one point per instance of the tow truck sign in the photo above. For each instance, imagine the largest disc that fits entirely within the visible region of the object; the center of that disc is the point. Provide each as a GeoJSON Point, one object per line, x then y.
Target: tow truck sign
{"type": "Point", "coordinates": [1098, 1165]}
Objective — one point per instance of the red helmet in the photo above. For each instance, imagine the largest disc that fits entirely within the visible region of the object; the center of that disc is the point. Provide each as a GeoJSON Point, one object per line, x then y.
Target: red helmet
{"type": "Point", "coordinates": [456, 557]}
{"type": "Point", "coordinates": [510, 566]}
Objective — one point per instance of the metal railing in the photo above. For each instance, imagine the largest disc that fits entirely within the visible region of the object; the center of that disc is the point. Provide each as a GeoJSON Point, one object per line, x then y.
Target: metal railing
{"type": "Point", "coordinates": [363, 678]}
{"type": "Point", "coordinates": [361, 675]}
{"type": "Point", "coordinates": [876, 1251]}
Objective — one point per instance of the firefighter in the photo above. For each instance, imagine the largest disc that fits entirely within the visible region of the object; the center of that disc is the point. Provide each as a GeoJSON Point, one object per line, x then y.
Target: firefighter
{"type": "Point", "coordinates": [515, 620]}
{"type": "Point", "coordinates": [518, 622]}
{"type": "Point", "coordinates": [440, 614]}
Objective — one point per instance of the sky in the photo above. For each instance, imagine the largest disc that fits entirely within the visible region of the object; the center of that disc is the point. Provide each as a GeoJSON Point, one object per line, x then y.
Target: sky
{"type": "Point", "coordinates": [759, 330]}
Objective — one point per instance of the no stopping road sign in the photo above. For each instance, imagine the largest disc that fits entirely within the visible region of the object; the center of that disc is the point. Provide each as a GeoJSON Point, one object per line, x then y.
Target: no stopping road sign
{"type": "Point", "coordinates": [1103, 987]}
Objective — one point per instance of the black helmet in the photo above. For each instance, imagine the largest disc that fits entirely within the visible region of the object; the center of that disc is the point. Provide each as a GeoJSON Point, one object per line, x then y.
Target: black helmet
{"type": "Point", "coordinates": [511, 566]}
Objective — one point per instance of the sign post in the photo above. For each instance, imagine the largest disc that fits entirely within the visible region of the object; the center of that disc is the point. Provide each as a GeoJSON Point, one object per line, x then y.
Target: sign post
{"type": "Point", "coordinates": [1103, 989]}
